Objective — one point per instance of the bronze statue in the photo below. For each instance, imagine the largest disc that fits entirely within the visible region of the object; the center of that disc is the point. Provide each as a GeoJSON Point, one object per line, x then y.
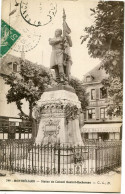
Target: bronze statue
{"type": "Point", "coordinates": [60, 57]}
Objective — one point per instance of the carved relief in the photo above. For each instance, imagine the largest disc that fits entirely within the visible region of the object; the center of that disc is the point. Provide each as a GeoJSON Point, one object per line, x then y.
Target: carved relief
{"type": "Point", "coordinates": [51, 130]}
{"type": "Point", "coordinates": [55, 110]}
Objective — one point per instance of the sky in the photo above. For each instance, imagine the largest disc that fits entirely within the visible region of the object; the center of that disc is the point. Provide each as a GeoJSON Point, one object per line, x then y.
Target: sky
{"type": "Point", "coordinates": [78, 17]}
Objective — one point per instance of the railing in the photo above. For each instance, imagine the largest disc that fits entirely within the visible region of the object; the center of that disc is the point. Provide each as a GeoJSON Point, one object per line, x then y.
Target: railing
{"type": "Point", "coordinates": [60, 159]}
{"type": "Point", "coordinates": [108, 156]}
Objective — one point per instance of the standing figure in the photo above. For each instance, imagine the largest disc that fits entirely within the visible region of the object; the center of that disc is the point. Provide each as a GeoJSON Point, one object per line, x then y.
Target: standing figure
{"type": "Point", "coordinates": [60, 57]}
{"type": "Point", "coordinates": [56, 61]}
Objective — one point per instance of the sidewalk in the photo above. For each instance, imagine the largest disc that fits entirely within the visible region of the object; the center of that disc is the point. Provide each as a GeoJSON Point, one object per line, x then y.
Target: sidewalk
{"type": "Point", "coordinates": [109, 182]}
{"type": "Point", "coordinates": [117, 171]}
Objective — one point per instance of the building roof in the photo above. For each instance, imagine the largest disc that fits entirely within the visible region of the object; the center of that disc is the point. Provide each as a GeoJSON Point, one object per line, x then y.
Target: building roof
{"type": "Point", "coordinates": [97, 74]}
{"type": "Point", "coordinates": [5, 66]}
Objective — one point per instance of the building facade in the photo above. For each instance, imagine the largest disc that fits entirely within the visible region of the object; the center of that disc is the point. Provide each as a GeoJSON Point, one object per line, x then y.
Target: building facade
{"type": "Point", "coordinates": [98, 124]}
{"type": "Point", "coordinates": [10, 122]}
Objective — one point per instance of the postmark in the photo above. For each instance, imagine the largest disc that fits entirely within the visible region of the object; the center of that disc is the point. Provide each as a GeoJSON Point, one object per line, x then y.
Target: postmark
{"type": "Point", "coordinates": [45, 12]}
{"type": "Point", "coordinates": [30, 37]}
{"type": "Point", "coordinates": [9, 36]}
{"type": "Point", "coordinates": [27, 42]}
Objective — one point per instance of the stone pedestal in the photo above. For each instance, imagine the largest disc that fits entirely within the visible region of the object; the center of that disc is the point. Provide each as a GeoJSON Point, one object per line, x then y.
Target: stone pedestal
{"type": "Point", "coordinates": [59, 117]}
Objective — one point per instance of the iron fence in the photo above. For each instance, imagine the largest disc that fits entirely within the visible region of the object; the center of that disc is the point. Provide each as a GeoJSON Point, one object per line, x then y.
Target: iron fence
{"type": "Point", "coordinates": [60, 159]}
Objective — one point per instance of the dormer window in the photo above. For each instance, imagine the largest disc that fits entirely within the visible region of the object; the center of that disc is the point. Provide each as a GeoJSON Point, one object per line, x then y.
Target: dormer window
{"type": "Point", "coordinates": [14, 67]}
{"type": "Point", "coordinates": [89, 78]}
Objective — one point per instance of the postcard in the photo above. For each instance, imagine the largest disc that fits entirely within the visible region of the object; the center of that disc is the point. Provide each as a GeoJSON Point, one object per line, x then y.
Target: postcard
{"type": "Point", "coordinates": [61, 95]}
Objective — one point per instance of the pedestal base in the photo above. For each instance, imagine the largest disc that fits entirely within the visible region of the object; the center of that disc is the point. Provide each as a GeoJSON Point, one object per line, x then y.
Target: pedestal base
{"type": "Point", "coordinates": [59, 121]}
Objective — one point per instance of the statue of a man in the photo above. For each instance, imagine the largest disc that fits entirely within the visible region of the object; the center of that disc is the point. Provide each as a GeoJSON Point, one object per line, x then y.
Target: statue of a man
{"type": "Point", "coordinates": [59, 58]}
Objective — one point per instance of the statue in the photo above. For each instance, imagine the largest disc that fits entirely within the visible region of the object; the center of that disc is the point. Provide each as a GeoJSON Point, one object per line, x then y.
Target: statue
{"type": "Point", "coordinates": [60, 57]}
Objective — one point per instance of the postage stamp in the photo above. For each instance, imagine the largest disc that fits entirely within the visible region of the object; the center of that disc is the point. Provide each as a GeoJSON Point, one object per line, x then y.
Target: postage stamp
{"type": "Point", "coordinates": [8, 37]}
{"type": "Point", "coordinates": [45, 10]}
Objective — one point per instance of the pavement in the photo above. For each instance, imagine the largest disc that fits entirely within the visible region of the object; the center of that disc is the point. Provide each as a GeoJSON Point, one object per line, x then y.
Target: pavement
{"type": "Point", "coordinates": [109, 182]}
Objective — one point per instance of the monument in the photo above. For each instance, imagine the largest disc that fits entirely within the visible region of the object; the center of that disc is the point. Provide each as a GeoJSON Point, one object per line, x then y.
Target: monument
{"type": "Point", "coordinates": [59, 105]}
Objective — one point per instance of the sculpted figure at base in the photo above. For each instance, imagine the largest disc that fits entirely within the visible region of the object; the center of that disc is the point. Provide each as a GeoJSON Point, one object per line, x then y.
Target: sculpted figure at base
{"type": "Point", "coordinates": [60, 57]}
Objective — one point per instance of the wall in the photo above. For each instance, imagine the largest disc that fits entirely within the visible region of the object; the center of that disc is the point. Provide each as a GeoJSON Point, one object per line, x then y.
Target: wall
{"type": "Point", "coordinates": [97, 104]}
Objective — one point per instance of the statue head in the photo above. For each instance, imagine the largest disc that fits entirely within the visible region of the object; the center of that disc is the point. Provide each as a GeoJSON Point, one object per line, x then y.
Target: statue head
{"type": "Point", "coordinates": [58, 32]}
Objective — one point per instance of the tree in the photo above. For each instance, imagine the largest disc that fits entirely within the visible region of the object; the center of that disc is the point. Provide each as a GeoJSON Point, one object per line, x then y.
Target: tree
{"type": "Point", "coordinates": [115, 91]}
{"type": "Point", "coordinates": [80, 91]}
{"type": "Point", "coordinates": [105, 41]}
{"type": "Point", "coordinates": [29, 84]}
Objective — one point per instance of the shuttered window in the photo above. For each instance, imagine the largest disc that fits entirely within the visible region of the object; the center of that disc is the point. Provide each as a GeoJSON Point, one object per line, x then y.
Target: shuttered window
{"type": "Point", "coordinates": [103, 113]}
{"type": "Point", "coordinates": [103, 93]}
{"type": "Point", "coordinates": [91, 113]}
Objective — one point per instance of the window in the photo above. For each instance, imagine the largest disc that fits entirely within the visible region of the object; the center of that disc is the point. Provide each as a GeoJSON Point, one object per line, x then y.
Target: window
{"type": "Point", "coordinates": [90, 135]}
{"type": "Point", "coordinates": [85, 136]}
{"type": "Point", "coordinates": [93, 136]}
{"type": "Point", "coordinates": [112, 136]}
{"type": "Point", "coordinates": [117, 136]}
{"type": "Point", "coordinates": [91, 113]}
{"type": "Point", "coordinates": [103, 93]}
{"type": "Point", "coordinates": [103, 113]}
{"type": "Point", "coordinates": [103, 136]}
{"type": "Point", "coordinates": [88, 78]}
{"type": "Point", "coordinates": [93, 94]}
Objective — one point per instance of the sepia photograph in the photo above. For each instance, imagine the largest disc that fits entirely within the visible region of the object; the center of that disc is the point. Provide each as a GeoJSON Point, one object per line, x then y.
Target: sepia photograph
{"type": "Point", "coordinates": [61, 95]}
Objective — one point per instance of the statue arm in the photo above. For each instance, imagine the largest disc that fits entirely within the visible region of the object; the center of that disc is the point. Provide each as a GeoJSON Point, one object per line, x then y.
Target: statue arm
{"type": "Point", "coordinates": [53, 41]}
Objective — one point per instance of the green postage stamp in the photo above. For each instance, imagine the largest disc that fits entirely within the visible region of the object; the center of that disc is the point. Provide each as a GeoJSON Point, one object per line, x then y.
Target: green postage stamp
{"type": "Point", "coordinates": [8, 37]}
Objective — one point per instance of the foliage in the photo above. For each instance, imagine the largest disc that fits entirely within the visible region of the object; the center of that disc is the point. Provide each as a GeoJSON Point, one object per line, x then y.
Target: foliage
{"type": "Point", "coordinates": [105, 37]}
{"type": "Point", "coordinates": [105, 41]}
{"type": "Point", "coordinates": [80, 91]}
{"type": "Point", "coordinates": [71, 111]}
{"type": "Point", "coordinates": [29, 84]}
{"type": "Point", "coordinates": [115, 91]}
